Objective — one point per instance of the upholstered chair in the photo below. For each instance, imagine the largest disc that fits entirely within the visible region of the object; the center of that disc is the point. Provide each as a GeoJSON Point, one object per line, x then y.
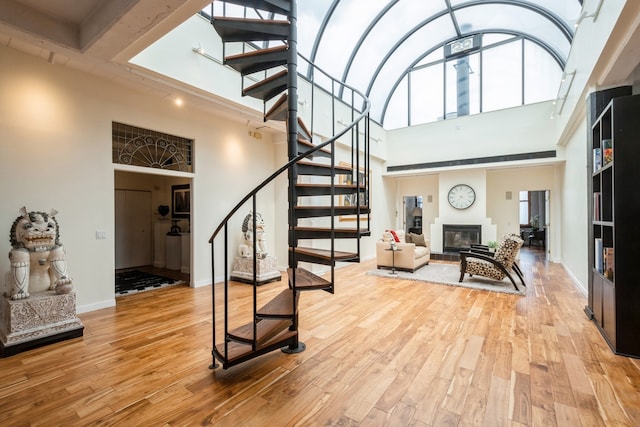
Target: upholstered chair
{"type": "Point", "coordinates": [498, 266]}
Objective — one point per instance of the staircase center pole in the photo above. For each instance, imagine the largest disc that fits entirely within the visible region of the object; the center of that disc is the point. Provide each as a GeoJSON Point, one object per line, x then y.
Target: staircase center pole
{"type": "Point", "coordinates": [292, 145]}
{"type": "Point", "coordinates": [292, 107]}
{"type": "Point", "coordinates": [292, 124]}
{"type": "Point", "coordinates": [292, 84]}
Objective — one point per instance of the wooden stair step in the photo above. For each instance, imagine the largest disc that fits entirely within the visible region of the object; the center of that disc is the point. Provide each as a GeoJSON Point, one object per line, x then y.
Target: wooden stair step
{"type": "Point", "coordinates": [323, 256]}
{"type": "Point", "coordinates": [269, 87]}
{"type": "Point", "coordinates": [266, 329]}
{"type": "Point", "coordinates": [310, 168]}
{"type": "Point", "coordinates": [306, 280]}
{"type": "Point", "coordinates": [247, 30]}
{"type": "Point", "coordinates": [318, 211]}
{"type": "Point", "coordinates": [279, 307]}
{"type": "Point", "coordinates": [283, 7]}
{"type": "Point", "coordinates": [258, 60]}
{"type": "Point", "coordinates": [325, 232]}
{"type": "Point", "coordinates": [239, 352]}
{"type": "Point", "coordinates": [303, 189]}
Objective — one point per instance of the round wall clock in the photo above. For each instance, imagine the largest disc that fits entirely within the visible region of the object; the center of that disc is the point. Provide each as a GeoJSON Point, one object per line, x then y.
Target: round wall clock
{"type": "Point", "coordinates": [461, 196]}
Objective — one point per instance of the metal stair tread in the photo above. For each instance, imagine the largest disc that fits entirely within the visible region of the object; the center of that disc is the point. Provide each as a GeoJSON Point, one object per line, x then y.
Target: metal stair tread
{"type": "Point", "coordinates": [258, 60]}
{"type": "Point", "coordinates": [278, 110]}
{"type": "Point", "coordinates": [304, 189]}
{"type": "Point", "coordinates": [268, 88]}
{"type": "Point", "coordinates": [249, 29]}
{"type": "Point", "coordinates": [270, 6]}
{"type": "Point", "coordinates": [266, 329]}
{"type": "Point", "coordinates": [305, 168]}
{"type": "Point", "coordinates": [306, 280]}
{"type": "Point", "coordinates": [310, 146]}
{"type": "Point", "coordinates": [279, 307]}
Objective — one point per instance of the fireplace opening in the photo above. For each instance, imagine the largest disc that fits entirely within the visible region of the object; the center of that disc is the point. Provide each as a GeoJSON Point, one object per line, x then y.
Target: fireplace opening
{"type": "Point", "coordinates": [456, 238]}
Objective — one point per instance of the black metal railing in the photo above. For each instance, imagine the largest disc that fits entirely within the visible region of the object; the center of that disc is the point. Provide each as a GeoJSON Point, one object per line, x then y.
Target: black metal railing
{"type": "Point", "coordinates": [357, 109]}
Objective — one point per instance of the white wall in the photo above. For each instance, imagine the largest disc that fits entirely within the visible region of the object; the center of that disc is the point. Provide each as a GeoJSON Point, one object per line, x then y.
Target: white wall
{"type": "Point", "coordinates": [515, 130]}
{"type": "Point", "coordinates": [598, 57]}
{"type": "Point", "coordinates": [55, 128]}
{"type": "Point", "coordinates": [575, 204]}
{"type": "Point", "coordinates": [173, 56]}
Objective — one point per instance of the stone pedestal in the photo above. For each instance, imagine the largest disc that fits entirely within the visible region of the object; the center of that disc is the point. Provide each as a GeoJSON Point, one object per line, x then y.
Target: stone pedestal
{"type": "Point", "coordinates": [267, 271]}
{"type": "Point", "coordinates": [43, 318]}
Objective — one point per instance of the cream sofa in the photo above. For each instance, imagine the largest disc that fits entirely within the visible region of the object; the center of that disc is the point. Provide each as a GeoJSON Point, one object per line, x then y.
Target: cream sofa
{"type": "Point", "coordinates": [408, 257]}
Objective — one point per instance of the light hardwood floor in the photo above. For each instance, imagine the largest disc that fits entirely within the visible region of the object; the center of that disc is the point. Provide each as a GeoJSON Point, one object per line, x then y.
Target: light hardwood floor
{"type": "Point", "coordinates": [379, 352]}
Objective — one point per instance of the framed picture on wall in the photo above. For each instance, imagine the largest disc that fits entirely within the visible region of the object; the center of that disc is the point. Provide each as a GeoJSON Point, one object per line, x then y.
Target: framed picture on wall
{"type": "Point", "coordinates": [180, 201]}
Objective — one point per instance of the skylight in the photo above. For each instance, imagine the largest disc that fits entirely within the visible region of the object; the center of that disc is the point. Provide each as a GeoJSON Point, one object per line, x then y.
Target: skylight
{"type": "Point", "coordinates": [393, 51]}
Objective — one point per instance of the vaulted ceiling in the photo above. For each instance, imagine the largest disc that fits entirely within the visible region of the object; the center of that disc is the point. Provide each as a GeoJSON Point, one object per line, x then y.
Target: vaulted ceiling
{"type": "Point", "coordinates": [368, 42]}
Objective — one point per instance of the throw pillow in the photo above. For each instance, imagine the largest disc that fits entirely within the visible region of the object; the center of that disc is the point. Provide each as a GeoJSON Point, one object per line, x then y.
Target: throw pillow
{"type": "Point", "coordinates": [418, 239]}
{"type": "Point", "coordinates": [409, 238]}
{"type": "Point", "coordinates": [395, 236]}
{"type": "Point", "coordinates": [387, 237]}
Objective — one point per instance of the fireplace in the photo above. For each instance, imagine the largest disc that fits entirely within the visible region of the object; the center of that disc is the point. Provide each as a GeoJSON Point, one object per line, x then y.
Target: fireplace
{"type": "Point", "coordinates": [456, 238]}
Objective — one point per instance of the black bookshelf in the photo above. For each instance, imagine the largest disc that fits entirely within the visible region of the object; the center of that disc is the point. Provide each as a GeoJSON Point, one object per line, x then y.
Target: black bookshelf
{"type": "Point", "coordinates": [614, 231]}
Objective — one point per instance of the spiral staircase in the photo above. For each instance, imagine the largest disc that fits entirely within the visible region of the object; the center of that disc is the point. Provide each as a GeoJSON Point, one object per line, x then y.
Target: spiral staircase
{"type": "Point", "coordinates": [318, 188]}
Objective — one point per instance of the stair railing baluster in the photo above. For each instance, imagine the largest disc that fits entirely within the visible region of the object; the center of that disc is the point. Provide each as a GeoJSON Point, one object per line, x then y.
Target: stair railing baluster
{"type": "Point", "coordinates": [333, 181]}
{"type": "Point", "coordinates": [254, 236]}
{"type": "Point", "coordinates": [313, 97]}
{"type": "Point", "coordinates": [226, 291]}
{"type": "Point", "coordinates": [213, 298]}
{"type": "Point", "coordinates": [333, 215]}
{"type": "Point", "coordinates": [355, 152]}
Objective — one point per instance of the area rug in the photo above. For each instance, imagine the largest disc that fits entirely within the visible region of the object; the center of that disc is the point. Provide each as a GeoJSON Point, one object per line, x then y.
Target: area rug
{"type": "Point", "coordinates": [132, 281]}
{"type": "Point", "coordinates": [449, 274]}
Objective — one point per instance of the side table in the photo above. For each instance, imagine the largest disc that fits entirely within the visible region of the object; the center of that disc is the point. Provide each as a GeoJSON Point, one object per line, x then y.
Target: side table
{"type": "Point", "coordinates": [393, 258]}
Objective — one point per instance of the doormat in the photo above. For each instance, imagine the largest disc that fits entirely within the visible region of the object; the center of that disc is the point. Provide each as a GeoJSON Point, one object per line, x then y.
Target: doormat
{"type": "Point", "coordinates": [132, 281]}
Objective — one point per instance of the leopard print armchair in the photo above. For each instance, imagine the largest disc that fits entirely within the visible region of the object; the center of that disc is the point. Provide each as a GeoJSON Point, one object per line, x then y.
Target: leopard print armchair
{"type": "Point", "coordinates": [496, 267]}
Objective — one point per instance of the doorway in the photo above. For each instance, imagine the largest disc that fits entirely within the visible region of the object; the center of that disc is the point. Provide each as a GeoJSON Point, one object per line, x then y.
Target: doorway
{"type": "Point", "coordinates": [141, 231]}
{"type": "Point", "coordinates": [133, 228]}
{"type": "Point", "coordinates": [534, 219]}
{"type": "Point", "coordinates": [412, 222]}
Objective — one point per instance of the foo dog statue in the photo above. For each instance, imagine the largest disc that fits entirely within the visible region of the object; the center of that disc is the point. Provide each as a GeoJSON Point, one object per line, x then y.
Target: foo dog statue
{"type": "Point", "coordinates": [37, 257]}
{"type": "Point", "coordinates": [246, 250]}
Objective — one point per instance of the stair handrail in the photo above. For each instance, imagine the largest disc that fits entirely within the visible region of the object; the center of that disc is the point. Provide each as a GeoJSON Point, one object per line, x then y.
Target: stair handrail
{"type": "Point", "coordinates": [348, 127]}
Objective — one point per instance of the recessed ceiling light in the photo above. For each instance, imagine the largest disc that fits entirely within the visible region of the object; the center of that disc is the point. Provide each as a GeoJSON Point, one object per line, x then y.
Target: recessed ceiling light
{"type": "Point", "coordinates": [178, 102]}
